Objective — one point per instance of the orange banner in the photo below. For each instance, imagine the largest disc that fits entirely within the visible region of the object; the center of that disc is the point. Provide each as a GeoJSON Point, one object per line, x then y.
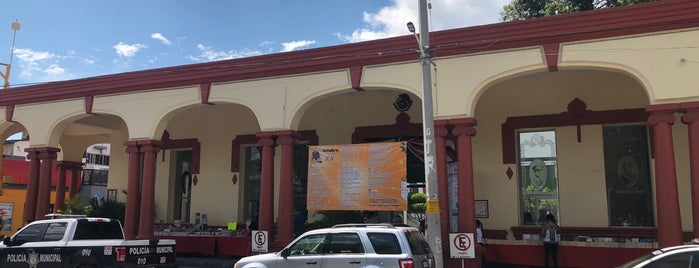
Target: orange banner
{"type": "Point", "coordinates": [369, 176]}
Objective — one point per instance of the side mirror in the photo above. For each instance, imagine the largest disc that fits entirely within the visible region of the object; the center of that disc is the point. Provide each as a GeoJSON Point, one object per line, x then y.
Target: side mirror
{"type": "Point", "coordinates": [285, 252]}
{"type": "Point", "coordinates": [7, 241]}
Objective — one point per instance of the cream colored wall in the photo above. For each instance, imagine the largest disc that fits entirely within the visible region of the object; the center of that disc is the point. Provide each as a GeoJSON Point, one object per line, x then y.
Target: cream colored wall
{"type": "Point", "coordinates": [335, 118]}
{"type": "Point", "coordinates": [277, 102]}
{"type": "Point", "coordinates": [680, 141]}
{"type": "Point", "coordinates": [582, 180]}
{"type": "Point", "coordinates": [664, 63]}
{"type": "Point", "coordinates": [40, 119]}
{"type": "Point", "coordinates": [581, 167]}
{"type": "Point", "coordinates": [118, 164]}
{"type": "Point", "coordinates": [215, 126]}
{"type": "Point", "coordinates": [144, 111]}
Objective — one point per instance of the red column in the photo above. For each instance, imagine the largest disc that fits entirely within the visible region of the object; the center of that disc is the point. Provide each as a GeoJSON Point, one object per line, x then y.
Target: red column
{"type": "Point", "coordinates": [133, 190]}
{"type": "Point", "coordinates": [287, 140]}
{"type": "Point", "coordinates": [464, 130]}
{"type": "Point", "coordinates": [691, 118]}
{"type": "Point", "coordinates": [32, 185]}
{"type": "Point", "coordinates": [150, 151]}
{"type": "Point", "coordinates": [266, 217]}
{"type": "Point", "coordinates": [46, 155]}
{"type": "Point", "coordinates": [75, 169]}
{"type": "Point", "coordinates": [661, 120]}
{"type": "Point", "coordinates": [60, 188]}
{"type": "Point", "coordinates": [440, 133]}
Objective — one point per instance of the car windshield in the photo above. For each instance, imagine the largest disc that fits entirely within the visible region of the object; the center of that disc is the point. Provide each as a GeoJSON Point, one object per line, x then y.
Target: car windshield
{"type": "Point", "coordinates": [640, 259]}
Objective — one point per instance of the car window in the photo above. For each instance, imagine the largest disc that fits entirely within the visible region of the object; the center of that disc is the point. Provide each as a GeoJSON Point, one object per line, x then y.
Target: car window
{"type": "Point", "coordinates": [418, 245]}
{"type": "Point", "coordinates": [91, 230]}
{"type": "Point", "coordinates": [308, 245]}
{"type": "Point", "coordinates": [32, 233]}
{"type": "Point", "coordinates": [55, 231]}
{"type": "Point", "coordinates": [345, 243]}
{"type": "Point", "coordinates": [680, 260]}
{"type": "Point", "coordinates": [384, 243]}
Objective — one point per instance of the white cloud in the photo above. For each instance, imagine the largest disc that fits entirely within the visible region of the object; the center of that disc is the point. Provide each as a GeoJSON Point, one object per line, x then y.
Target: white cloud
{"type": "Point", "coordinates": [445, 14]}
{"type": "Point", "coordinates": [126, 50]}
{"type": "Point", "coordinates": [209, 54]}
{"type": "Point", "coordinates": [40, 65]}
{"type": "Point", "coordinates": [30, 56]}
{"type": "Point", "coordinates": [160, 37]}
{"type": "Point", "coordinates": [291, 46]}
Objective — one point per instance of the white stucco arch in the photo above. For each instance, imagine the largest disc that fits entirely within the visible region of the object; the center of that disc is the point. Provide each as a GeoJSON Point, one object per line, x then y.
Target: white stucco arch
{"type": "Point", "coordinates": [145, 112]}
{"type": "Point", "coordinates": [572, 66]}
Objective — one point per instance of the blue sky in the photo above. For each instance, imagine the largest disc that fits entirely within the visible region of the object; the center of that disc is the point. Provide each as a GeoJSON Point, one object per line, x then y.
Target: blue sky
{"type": "Point", "coordinates": [71, 39]}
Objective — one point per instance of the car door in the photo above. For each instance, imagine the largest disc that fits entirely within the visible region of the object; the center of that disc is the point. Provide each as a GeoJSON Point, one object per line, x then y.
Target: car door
{"type": "Point", "coordinates": [37, 244]}
{"type": "Point", "coordinates": [344, 250]}
{"type": "Point", "coordinates": [305, 252]}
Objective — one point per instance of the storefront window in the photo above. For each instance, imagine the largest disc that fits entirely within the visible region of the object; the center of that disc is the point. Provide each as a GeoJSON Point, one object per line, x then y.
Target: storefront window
{"type": "Point", "coordinates": [252, 175]}
{"type": "Point", "coordinates": [627, 173]}
{"type": "Point", "coordinates": [538, 176]}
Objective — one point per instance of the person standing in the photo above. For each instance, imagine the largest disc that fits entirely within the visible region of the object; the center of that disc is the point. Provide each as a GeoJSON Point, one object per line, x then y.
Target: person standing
{"type": "Point", "coordinates": [549, 233]}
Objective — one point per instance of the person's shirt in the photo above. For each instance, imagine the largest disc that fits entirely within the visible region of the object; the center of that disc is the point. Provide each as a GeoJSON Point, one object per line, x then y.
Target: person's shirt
{"type": "Point", "coordinates": [550, 233]}
{"type": "Point", "coordinates": [479, 236]}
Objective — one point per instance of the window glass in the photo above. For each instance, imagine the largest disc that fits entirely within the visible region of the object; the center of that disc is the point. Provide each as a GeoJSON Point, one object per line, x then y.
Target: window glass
{"type": "Point", "coordinates": [308, 245]}
{"type": "Point", "coordinates": [680, 260]}
{"type": "Point", "coordinates": [93, 230]}
{"type": "Point", "coordinates": [538, 172]}
{"type": "Point", "coordinates": [344, 243]}
{"type": "Point", "coordinates": [31, 234]}
{"type": "Point", "coordinates": [384, 243]}
{"type": "Point", "coordinates": [418, 244]}
{"type": "Point", "coordinates": [252, 175]}
{"type": "Point", "coordinates": [628, 175]}
{"type": "Point", "coordinates": [55, 231]}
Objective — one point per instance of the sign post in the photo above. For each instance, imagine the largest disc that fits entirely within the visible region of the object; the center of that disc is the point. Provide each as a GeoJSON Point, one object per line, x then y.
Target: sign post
{"type": "Point", "coordinates": [260, 241]}
{"type": "Point", "coordinates": [462, 246]}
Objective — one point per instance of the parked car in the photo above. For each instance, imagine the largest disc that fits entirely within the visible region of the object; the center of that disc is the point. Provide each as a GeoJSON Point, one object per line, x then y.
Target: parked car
{"type": "Point", "coordinates": [350, 245]}
{"type": "Point", "coordinates": [686, 256]}
{"type": "Point", "coordinates": [76, 241]}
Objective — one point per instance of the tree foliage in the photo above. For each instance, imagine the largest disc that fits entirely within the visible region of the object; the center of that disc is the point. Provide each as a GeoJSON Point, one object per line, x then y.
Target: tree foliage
{"type": "Point", "coordinates": [529, 9]}
{"type": "Point", "coordinates": [417, 203]}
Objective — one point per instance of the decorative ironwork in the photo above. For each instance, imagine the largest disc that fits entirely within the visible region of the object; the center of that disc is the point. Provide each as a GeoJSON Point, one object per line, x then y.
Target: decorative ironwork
{"type": "Point", "coordinates": [403, 103]}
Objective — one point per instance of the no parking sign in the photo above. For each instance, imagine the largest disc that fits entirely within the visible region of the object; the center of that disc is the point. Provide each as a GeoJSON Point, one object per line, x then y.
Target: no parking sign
{"type": "Point", "coordinates": [462, 246]}
{"type": "Point", "coordinates": [259, 241]}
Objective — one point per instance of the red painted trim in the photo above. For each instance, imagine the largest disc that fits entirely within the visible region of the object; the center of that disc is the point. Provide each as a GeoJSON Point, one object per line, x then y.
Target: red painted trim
{"type": "Point", "coordinates": [568, 118]}
{"type": "Point", "coordinates": [603, 23]}
{"type": "Point", "coordinates": [551, 53]}
{"type": "Point", "coordinates": [89, 100]}
{"type": "Point", "coordinates": [356, 76]}
{"type": "Point", "coordinates": [204, 91]}
{"type": "Point", "coordinates": [193, 143]}
{"type": "Point", "coordinates": [308, 136]}
{"type": "Point", "coordinates": [402, 127]}
{"type": "Point", "coordinates": [9, 112]}
{"type": "Point", "coordinates": [235, 149]}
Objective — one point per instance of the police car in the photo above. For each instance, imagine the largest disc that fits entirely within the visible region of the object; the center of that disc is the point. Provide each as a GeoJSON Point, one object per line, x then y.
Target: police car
{"type": "Point", "coordinates": [79, 242]}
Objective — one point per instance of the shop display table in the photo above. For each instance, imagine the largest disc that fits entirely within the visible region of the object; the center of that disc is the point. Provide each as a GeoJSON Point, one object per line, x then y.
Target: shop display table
{"type": "Point", "coordinates": [570, 254]}
{"type": "Point", "coordinates": [238, 246]}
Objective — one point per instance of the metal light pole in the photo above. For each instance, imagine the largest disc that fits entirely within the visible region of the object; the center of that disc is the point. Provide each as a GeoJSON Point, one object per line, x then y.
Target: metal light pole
{"type": "Point", "coordinates": [434, 230]}
{"type": "Point", "coordinates": [6, 75]}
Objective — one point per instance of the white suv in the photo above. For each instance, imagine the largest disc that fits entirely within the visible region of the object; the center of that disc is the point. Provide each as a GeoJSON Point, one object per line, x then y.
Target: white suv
{"type": "Point", "coordinates": [350, 245]}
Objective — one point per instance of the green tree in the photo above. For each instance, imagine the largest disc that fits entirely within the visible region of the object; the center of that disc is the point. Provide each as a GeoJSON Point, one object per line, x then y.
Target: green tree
{"type": "Point", "coordinates": [417, 203]}
{"type": "Point", "coordinates": [529, 9]}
